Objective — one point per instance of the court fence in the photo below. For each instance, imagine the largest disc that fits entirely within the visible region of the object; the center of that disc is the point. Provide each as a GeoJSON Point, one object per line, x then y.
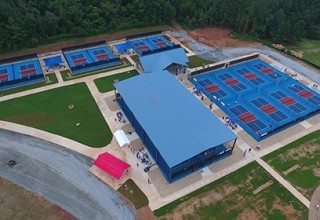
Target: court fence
{"type": "Point", "coordinates": [83, 46]}
{"type": "Point", "coordinates": [130, 37]}
{"type": "Point", "coordinates": [224, 64]}
{"type": "Point", "coordinates": [21, 80]}
{"type": "Point", "coordinates": [94, 64]}
{"type": "Point", "coordinates": [143, 53]}
{"type": "Point", "coordinates": [19, 58]}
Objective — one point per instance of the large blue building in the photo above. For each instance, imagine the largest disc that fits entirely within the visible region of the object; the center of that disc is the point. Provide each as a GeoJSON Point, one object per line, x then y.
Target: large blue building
{"type": "Point", "coordinates": [180, 133]}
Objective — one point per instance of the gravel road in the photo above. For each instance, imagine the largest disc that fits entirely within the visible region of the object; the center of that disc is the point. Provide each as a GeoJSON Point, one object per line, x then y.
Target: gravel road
{"type": "Point", "coordinates": [61, 176]}
{"type": "Point", "coordinates": [219, 54]}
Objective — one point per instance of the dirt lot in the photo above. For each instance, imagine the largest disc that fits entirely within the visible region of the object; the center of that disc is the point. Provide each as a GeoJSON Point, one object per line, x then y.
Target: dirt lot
{"type": "Point", "coordinates": [145, 213]}
{"type": "Point", "coordinates": [219, 37]}
{"type": "Point", "coordinates": [17, 203]}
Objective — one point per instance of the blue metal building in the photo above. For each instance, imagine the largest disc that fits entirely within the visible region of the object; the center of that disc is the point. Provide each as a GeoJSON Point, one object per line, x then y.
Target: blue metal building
{"type": "Point", "coordinates": [180, 133]}
{"type": "Point", "coordinates": [174, 60]}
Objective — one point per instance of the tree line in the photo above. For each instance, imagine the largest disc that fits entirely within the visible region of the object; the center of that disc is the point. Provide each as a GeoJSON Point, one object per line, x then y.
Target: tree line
{"type": "Point", "coordinates": [28, 23]}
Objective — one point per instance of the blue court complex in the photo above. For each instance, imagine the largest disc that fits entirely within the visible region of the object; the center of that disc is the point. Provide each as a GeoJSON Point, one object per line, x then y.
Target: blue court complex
{"type": "Point", "coordinates": [86, 57]}
{"type": "Point", "coordinates": [180, 133]}
{"type": "Point", "coordinates": [19, 71]}
{"type": "Point", "coordinates": [264, 99]}
{"type": "Point", "coordinates": [146, 43]}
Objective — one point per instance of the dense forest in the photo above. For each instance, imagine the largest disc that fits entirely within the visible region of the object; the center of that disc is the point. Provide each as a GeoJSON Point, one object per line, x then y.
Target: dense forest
{"type": "Point", "coordinates": [28, 23]}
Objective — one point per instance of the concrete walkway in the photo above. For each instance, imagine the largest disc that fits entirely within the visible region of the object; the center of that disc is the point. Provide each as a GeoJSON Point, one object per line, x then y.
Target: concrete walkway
{"type": "Point", "coordinates": [283, 182]}
{"type": "Point", "coordinates": [59, 77]}
{"type": "Point", "coordinates": [314, 211]}
{"type": "Point", "coordinates": [66, 83]}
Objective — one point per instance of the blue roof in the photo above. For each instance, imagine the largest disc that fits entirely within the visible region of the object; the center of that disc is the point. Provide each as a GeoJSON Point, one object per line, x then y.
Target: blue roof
{"type": "Point", "coordinates": [178, 124]}
{"type": "Point", "coordinates": [53, 61]}
{"type": "Point", "coordinates": [159, 61]}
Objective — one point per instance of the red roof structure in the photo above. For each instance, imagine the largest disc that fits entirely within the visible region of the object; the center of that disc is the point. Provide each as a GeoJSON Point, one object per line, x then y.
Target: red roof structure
{"type": "Point", "coordinates": [111, 165]}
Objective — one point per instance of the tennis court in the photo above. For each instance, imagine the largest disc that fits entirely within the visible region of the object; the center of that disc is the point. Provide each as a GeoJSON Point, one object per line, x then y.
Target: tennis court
{"type": "Point", "coordinates": [89, 58]}
{"type": "Point", "coordinates": [6, 73]}
{"type": "Point", "coordinates": [20, 73]}
{"type": "Point", "coordinates": [26, 69]}
{"type": "Point", "coordinates": [149, 44]}
{"type": "Point", "coordinates": [100, 53]}
{"type": "Point", "coordinates": [264, 99]}
{"type": "Point", "coordinates": [78, 58]}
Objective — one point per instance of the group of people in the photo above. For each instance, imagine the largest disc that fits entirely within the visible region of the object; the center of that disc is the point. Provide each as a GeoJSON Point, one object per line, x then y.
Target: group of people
{"type": "Point", "coordinates": [197, 92]}
{"type": "Point", "coordinates": [143, 157]}
{"type": "Point", "coordinates": [249, 150]}
{"type": "Point", "coordinates": [228, 122]}
{"type": "Point", "coordinates": [120, 117]}
{"type": "Point", "coordinates": [294, 75]}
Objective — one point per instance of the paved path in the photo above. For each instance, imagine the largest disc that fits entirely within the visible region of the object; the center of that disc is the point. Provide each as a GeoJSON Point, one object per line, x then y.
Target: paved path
{"type": "Point", "coordinates": [59, 77]}
{"type": "Point", "coordinates": [314, 211]}
{"type": "Point", "coordinates": [66, 83]}
{"type": "Point", "coordinates": [283, 182]}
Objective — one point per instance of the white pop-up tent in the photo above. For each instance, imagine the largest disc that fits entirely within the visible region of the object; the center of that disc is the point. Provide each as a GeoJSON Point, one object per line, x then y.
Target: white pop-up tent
{"type": "Point", "coordinates": [121, 138]}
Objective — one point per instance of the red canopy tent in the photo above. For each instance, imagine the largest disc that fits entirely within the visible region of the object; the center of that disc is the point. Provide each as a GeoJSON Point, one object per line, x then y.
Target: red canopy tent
{"type": "Point", "coordinates": [111, 165]}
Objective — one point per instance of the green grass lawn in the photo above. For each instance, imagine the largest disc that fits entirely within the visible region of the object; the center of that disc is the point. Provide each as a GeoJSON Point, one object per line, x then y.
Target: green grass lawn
{"type": "Point", "coordinates": [310, 49]}
{"type": "Point", "coordinates": [105, 84]}
{"type": "Point", "coordinates": [134, 57]}
{"type": "Point", "coordinates": [66, 73]}
{"type": "Point", "coordinates": [304, 152]}
{"type": "Point", "coordinates": [49, 111]}
{"type": "Point", "coordinates": [136, 196]}
{"type": "Point", "coordinates": [195, 61]}
{"type": "Point", "coordinates": [232, 197]}
{"type": "Point", "coordinates": [52, 80]}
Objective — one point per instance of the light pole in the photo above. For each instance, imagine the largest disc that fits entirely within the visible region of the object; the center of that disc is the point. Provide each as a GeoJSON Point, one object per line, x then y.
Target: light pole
{"type": "Point", "coordinates": [318, 207]}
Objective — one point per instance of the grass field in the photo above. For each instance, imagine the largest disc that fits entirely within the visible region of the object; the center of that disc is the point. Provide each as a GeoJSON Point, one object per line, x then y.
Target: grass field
{"type": "Point", "coordinates": [105, 84]}
{"type": "Point", "coordinates": [134, 194]}
{"type": "Point", "coordinates": [304, 153]}
{"type": "Point", "coordinates": [310, 49]}
{"type": "Point", "coordinates": [17, 203]}
{"type": "Point", "coordinates": [195, 61]}
{"type": "Point", "coordinates": [134, 57]}
{"type": "Point", "coordinates": [49, 111]}
{"type": "Point", "coordinates": [232, 197]}
{"type": "Point", "coordinates": [52, 80]}
{"type": "Point", "coordinates": [66, 73]}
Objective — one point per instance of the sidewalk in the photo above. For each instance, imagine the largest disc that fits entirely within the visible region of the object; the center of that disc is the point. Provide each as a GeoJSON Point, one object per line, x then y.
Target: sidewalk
{"type": "Point", "coordinates": [314, 211]}
{"type": "Point", "coordinates": [66, 83]}
{"type": "Point", "coordinates": [283, 182]}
